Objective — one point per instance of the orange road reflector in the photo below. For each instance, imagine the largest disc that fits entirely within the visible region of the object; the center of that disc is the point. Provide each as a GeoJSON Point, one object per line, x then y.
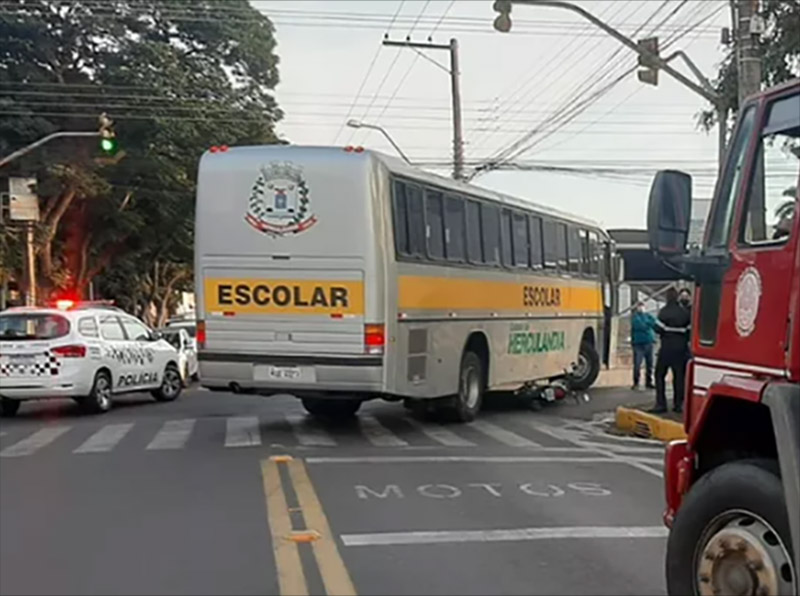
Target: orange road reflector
{"type": "Point", "coordinates": [304, 536]}
{"type": "Point", "coordinates": [281, 458]}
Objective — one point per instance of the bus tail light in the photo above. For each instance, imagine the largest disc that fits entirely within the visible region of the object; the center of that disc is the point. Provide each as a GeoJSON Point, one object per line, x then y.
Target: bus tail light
{"type": "Point", "coordinates": [71, 351]}
{"type": "Point", "coordinates": [201, 334]}
{"type": "Point", "coordinates": [374, 338]}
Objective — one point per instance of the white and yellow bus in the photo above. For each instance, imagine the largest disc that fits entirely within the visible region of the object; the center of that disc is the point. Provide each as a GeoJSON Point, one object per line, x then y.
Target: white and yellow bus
{"type": "Point", "coordinates": [340, 275]}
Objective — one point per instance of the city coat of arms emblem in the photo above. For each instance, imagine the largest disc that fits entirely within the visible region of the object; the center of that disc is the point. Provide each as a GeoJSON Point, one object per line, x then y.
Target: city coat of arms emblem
{"type": "Point", "coordinates": [279, 202]}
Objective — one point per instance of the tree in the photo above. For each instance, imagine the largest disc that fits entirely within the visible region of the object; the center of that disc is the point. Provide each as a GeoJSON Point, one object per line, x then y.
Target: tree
{"type": "Point", "coordinates": [780, 54]}
{"type": "Point", "coordinates": [176, 77]}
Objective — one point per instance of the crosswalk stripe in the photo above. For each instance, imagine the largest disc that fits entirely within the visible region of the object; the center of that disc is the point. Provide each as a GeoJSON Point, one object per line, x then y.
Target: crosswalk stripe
{"type": "Point", "coordinates": [33, 443]}
{"type": "Point", "coordinates": [242, 431]}
{"type": "Point", "coordinates": [307, 434]}
{"type": "Point", "coordinates": [105, 439]}
{"type": "Point", "coordinates": [173, 435]}
{"type": "Point", "coordinates": [377, 434]}
{"type": "Point", "coordinates": [440, 434]}
{"type": "Point", "coordinates": [500, 434]}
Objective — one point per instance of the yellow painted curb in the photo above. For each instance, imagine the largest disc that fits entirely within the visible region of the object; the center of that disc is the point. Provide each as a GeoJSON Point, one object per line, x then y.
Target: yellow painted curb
{"type": "Point", "coordinates": [647, 425]}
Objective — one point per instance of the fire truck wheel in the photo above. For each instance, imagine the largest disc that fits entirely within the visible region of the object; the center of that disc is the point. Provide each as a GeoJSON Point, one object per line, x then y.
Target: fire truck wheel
{"type": "Point", "coordinates": [331, 408]}
{"type": "Point", "coordinates": [731, 534]}
{"type": "Point", "coordinates": [587, 368]}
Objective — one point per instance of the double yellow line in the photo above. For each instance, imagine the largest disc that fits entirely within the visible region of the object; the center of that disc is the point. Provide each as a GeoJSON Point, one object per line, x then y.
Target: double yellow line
{"type": "Point", "coordinates": [316, 531]}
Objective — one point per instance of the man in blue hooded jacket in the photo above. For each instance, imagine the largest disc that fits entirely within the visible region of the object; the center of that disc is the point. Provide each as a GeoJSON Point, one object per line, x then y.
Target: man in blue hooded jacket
{"type": "Point", "coordinates": [642, 340]}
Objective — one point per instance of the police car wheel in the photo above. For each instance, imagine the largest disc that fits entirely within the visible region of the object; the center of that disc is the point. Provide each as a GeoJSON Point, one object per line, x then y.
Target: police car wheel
{"type": "Point", "coordinates": [99, 400]}
{"type": "Point", "coordinates": [9, 407]}
{"type": "Point", "coordinates": [171, 384]}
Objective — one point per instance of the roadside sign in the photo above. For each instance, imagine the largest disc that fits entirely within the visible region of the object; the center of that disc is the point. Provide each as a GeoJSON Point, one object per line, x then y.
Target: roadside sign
{"type": "Point", "coordinates": [23, 204]}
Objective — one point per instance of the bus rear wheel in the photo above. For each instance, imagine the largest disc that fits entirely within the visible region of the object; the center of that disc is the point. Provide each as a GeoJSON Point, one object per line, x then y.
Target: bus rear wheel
{"type": "Point", "coordinates": [331, 408]}
{"type": "Point", "coordinates": [465, 405]}
{"type": "Point", "coordinates": [587, 369]}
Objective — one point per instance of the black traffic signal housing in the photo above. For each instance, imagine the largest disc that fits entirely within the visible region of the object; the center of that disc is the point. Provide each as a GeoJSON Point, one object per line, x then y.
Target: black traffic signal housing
{"type": "Point", "coordinates": [108, 138]}
{"type": "Point", "coordinates": [503, 21]}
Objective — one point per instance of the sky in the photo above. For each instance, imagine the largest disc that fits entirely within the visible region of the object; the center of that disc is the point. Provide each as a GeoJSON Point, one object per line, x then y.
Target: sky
{"type": "Point", "coordinates": [554, 74]}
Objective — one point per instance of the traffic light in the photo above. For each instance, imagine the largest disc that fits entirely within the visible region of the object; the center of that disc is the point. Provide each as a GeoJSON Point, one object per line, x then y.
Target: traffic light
{"type": "Point", "coordinates": [503, 21]}
{"type": "Point", "coordinates": [649, 72]}
{"type": "Point", "coordinates": [108, 139]}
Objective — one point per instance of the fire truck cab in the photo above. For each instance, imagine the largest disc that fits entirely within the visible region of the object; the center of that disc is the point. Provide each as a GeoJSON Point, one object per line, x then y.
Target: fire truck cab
{"type": "Point", "coordinates": [733, 487]}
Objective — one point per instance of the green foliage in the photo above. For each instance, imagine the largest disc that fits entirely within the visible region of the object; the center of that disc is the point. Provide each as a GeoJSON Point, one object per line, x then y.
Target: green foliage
{"type": "Point", "coordinates": [780, 55]}
{"type": "Point", "coordinates": [175, 77]}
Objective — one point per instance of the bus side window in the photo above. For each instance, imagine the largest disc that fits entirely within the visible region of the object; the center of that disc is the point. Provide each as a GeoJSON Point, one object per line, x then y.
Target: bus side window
{"type": "Point", "coordinates": [434, 224]}
{"type": "Point", "coordinates": [561, 246]}
{"type": "Point", "coordinates": [586, 255]}
{"type": "Point", "coordinates": [416, 221]}
{"type": "Point", "coordinates": [505, 237]}
{"type": "Point", "coordinates": [490, 233]}
{"type": "Point", "coordinates": [594, 254]}
{"type": "Point", "coordinates": [550, 231]}
{"type": "Point", "coordinates": [454, 228]}
{"type": "Point", "coordinates": [399, 216]}
{"type": "Point", "coordinates": [537, 255]}
{"type": "Point", "coordinates": [519, 227]}
{"type": "Point", "coordinates": [574, 249]}
{"type": "Point", "coordinates": [474, 250]}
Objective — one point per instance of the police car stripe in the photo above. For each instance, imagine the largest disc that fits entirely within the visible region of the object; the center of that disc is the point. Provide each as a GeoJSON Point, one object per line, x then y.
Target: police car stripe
{"type": "Point", "coordinates": [105, 439]}
{"type": "Point", "coordinates": [41, 438]}
{"type": "Point", "coordinates": [242, 431]}
{"type": "Point", "coordinates": [173, 435]}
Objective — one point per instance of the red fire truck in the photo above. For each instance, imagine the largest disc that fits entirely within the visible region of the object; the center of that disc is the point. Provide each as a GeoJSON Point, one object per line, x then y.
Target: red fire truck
{"type": "Point", "coordinates": [733, 487]}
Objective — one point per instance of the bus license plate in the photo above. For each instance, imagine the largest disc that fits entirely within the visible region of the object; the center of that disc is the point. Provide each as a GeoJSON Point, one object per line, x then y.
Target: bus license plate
{"type": "Point", "coordinates": [285, 373]}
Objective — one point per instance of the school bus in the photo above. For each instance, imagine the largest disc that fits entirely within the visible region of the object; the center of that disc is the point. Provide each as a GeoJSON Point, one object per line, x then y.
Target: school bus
{"type": "Point", "coordinates": [339, 275]}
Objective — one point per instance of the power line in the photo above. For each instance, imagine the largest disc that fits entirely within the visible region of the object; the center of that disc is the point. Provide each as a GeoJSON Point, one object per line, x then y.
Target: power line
{"type": "Point", "coordinates": [366, 76]}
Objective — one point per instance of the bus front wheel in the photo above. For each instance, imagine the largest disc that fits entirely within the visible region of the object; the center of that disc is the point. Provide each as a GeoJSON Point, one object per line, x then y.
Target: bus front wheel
{"type": "Point", "coordinates": [467, 403]}
{"type": "Point", "coordinates": [587, 369]}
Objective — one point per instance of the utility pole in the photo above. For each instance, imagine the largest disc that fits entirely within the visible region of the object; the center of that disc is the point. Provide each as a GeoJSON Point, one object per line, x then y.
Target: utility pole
{"type": "Point", "coordinates": [749, 26]}
{"type": "Point", "coordinates": [453, 71]}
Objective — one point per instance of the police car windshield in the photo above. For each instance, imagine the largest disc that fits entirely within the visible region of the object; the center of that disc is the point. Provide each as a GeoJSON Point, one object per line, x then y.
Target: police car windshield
{"type": "Point", "coordinates": [28, 326]}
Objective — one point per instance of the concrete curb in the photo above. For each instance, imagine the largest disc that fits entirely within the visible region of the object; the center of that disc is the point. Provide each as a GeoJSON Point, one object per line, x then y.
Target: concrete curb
{"type": "Point", "coordinates": [647, 425]}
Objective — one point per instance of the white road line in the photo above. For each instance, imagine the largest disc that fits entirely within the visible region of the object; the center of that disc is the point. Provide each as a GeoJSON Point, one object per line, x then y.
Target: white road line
{"type": "Point", "coordinates": [242, 431]}
{"type": "Point", "coordinates": [440, 459]}
{"type": "Point", "coordinates": [307, 434]}
{"type": "Point", "coordinates": [377, 434]}
{"type": "Point", "coordinates": [560, 434]}
{"type": "Point", "coordinates": [439, 434]}
{"type": "Point", "coordinates": [173, 435]}
{"type": "Point", "coordinates": [395, 538]}
{"type": "Point", "coordinates": [501, 434]}
{"type": "Point", "coordinates": [33, 443]}
{"type": "Point", "coordinates": [105, 439]}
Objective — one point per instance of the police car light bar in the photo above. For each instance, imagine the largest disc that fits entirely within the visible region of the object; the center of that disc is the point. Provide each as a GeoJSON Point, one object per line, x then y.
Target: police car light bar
{"type": "Point", "coordinates": [67, 304]}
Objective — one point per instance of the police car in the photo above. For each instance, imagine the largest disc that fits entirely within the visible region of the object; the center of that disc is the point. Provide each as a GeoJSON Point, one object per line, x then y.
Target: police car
{"type": "Point", "coordinates": [84, 351]}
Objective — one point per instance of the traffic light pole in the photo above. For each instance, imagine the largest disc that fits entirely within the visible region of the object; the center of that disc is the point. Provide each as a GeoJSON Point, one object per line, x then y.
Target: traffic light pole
{"type": "Point", "coordinates": [704, 90]}
{"type": "Point", "coordinates": [453, 71]}
{"type": "Point", "coordinates": [56, 135]}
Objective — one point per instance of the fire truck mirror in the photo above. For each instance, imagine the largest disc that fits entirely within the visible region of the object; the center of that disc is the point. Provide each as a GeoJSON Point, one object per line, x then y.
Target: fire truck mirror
{"type": "Point", "coordinates": [669, 212]}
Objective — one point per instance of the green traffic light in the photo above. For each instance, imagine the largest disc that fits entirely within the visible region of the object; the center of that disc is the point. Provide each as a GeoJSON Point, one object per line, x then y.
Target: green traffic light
{"type": "Point", "coordinates": [108, 145]}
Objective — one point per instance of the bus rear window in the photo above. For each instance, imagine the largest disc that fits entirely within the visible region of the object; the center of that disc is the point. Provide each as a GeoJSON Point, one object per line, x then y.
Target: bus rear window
{"type": "Point", "coordinates": [27, 326]}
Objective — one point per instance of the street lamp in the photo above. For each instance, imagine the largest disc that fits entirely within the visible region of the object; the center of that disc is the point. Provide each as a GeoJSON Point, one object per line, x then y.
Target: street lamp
{"type": "Point", "coordinates": [359, 124]}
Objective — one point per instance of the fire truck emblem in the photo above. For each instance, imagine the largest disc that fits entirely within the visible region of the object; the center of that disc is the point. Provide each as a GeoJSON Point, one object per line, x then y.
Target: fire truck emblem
{"type": "Point", "coordinates": [279, 201]}
{"type": "Point", "coordinates": [748, 297]}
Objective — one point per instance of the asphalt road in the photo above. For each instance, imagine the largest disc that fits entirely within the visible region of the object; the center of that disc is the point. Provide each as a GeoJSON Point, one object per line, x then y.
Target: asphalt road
{"type": "Point", "coordinates": [224, 494]}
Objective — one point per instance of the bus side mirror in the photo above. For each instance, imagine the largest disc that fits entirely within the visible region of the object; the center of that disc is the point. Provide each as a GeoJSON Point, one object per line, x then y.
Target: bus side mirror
{"type": "Point", "coordinates": [669, 212]}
